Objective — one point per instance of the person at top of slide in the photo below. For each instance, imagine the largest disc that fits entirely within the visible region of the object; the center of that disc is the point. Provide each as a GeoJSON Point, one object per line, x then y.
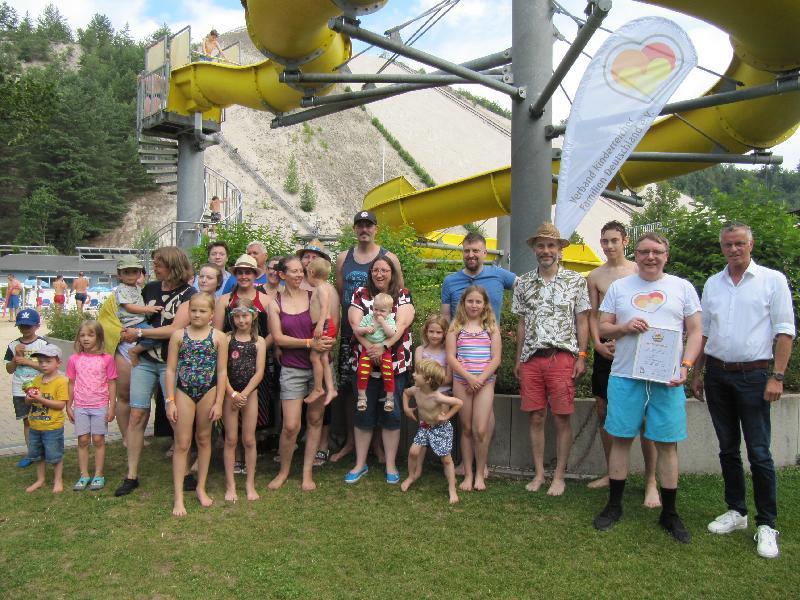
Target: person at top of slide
{"type": "Point", "coordinates": [211, 47]}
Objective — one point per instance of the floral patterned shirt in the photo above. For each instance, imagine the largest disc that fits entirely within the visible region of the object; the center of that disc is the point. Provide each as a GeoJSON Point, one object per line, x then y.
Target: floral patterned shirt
{"type": "Point", "coordinates": [549, 310]}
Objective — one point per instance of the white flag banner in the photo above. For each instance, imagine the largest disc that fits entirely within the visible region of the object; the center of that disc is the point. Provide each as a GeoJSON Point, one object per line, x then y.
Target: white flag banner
{"type": "Point", "coordinates": [624, 88]}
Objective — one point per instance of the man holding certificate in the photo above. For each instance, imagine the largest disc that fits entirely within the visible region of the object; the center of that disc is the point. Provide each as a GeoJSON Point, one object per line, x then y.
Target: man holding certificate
{"type": "Point", "coordinates": [746, 308]}
{"type": "Point", "coordinates": [647, 314]}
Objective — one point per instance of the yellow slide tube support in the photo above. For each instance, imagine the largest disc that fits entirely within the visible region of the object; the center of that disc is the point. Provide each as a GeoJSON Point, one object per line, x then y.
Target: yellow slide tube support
{"type": "Point", "coordinates": [293, 33]}
{"type": "Point", "coordinates": [765, 42]}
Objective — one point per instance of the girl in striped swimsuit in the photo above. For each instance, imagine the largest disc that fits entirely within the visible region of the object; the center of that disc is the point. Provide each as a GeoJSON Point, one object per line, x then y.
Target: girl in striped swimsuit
{"type": "Point", "coordinates": [473, 353]}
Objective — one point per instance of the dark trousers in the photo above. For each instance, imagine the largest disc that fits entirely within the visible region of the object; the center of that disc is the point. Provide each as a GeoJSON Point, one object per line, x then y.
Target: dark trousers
{"type": "Point", "coordinates": [736, 403]}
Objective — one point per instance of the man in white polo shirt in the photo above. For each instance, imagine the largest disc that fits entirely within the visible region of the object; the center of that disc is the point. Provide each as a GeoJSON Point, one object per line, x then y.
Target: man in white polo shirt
{"type": "Point", "coordinates": [746, 308]}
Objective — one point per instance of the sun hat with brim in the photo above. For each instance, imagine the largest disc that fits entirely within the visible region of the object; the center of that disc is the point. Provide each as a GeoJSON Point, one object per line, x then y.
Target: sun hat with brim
{"type": "Point", "coordinates": [129, 262]}
{"type": "Point", "coordinates": [50, 350]}
{"type": "Point", "coordinates": [548, 231]}
{"type": "Point", "coordinates": [245, 261]}
{"type": "Point", "coordinates": [314, 246]}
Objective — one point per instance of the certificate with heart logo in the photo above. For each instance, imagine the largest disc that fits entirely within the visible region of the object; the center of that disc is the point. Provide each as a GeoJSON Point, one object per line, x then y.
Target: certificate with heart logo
{"type": "Point", "coordinates": [658, 353]}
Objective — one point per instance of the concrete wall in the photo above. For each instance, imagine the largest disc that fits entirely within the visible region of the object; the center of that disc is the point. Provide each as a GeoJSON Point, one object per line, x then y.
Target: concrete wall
{"type": "Point", "coordinates": [510, 449]}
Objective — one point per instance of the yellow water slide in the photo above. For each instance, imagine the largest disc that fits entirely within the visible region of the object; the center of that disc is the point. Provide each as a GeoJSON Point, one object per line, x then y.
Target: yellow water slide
{"type": "Point", "coordinates": [295, 34]}
{"type": "Point", "coordinates": [765, 43]}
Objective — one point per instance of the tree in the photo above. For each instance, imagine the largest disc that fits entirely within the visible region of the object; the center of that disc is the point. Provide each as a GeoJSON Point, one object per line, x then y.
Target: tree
{"type": "Point", "coordinates": [53, 26]}
{"type": "Point", "coordinates": [36, 211]}
{"type": "Point", "coordinates": [8, 17]}
{"type": "Point", "coordinates": [661, 205]}
{"type": "Point", "coordinates": [308, 199]}
{"type": "Point", "coordinates": [292, 183]}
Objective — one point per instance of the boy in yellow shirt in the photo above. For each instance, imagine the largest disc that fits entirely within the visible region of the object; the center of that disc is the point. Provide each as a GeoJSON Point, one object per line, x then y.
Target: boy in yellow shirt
{"type": "Point", "coordinates": [47, 396]}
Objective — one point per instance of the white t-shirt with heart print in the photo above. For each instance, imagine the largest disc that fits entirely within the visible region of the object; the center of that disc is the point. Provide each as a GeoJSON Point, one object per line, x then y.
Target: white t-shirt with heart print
{"type": "Point", "coordinates": [665, 303]}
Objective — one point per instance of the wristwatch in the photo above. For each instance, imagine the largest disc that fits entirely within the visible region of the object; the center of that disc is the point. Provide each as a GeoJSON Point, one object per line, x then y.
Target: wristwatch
{"type": "Point", "coordinates": [777, 376]}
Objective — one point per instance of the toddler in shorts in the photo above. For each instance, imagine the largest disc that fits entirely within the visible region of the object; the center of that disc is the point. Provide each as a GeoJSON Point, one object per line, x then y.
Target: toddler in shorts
{"type": "Point", "coordinates": [433, 412]}
{"type": "Point", "coordinates": [46, 396]}
{"type": "Point", "coordinates": [376, 327]}
{"type": "Point", "coordinates": [92, 378]}
{"type": "Point", "coordinates": [322, 315]}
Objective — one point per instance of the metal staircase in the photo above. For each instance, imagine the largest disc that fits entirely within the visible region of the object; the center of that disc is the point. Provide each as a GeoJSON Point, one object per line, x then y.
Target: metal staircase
{"type": "Point", "coordinates": [160, 157]}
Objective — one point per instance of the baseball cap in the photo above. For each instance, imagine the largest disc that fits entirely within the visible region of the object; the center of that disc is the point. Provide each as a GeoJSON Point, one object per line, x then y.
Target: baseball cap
{"type": "Point", "coordinates": [129, 262]}
{"type": "Point", "coordinates": [28, 317]}
{"type": "Point", "coordinates": [50, 350]}
{"type": "Point", "coordinates": [365, 215]}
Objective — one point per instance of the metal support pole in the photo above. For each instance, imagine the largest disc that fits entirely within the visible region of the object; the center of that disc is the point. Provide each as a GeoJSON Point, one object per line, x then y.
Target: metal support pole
{"type": "Point", "coordinates": [368, 93]}
{"type": "Point", "coordinates": [191, 190]}
{"type": "Point", "coordinates": [423, 78]}
{"type": "Point", "coordinates": [341, 26]}
{"type": "Point", "coordinates": [599, 12]}
{"type": "Point", "coordinates": [531, 174]}
{"type": "Point", "coordinates": [487, 62]}
{"type": "Point", "coordinates": [700, 157]}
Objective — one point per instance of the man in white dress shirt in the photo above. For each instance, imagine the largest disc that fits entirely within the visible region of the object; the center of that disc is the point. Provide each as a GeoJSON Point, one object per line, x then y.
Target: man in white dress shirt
{"type": "Point", "coordinates": [746, 308]}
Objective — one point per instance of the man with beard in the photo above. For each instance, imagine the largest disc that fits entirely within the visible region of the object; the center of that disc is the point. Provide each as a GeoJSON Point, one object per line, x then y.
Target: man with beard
{"type": "Point", "coordinates": [493, 279]}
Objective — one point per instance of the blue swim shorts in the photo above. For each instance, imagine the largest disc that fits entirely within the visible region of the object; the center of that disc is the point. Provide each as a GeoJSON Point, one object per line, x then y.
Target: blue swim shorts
{"type": "Point", "coordinates": [660, 407]}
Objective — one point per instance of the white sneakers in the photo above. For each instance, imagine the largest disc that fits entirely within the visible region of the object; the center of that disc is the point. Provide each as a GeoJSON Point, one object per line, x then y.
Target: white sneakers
{"type": "Point", "coordinates": [730, 521]}
{"type": "Point", "coordinates": [767, 542]}
{"type": "Point", "coordinates": [766, 537]}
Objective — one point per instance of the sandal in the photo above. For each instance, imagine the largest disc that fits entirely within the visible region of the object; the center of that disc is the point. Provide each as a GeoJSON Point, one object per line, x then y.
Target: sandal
{"type": "Point", "coordinates": [81, 484]}
{"type": "Point", "coordinates": [361, 404]}
{"type": "Point", "coordinates": [321, 457]}
{"type": "Point", "coordinates": [389, 406]}
{"type": "Point", "coordinates": [98, 483]}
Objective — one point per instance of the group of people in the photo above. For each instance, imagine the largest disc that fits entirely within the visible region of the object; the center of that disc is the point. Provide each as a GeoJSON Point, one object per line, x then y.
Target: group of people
{"type": "Point", "coordinates": [228, 345]}
{"type": "Point", "coordinates": [61, 292]}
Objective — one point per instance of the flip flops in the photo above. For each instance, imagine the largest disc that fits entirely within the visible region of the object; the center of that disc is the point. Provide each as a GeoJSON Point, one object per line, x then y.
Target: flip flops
{"type": "Point", "coordinates": [321, 457]}
{"type": "Point", "coordinates": [81, 484]}
{"type": "Point", "coordinates": [98, 483]}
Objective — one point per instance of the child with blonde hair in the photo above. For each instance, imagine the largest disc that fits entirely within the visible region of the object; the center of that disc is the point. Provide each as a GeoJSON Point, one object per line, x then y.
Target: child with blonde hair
{"type": "Point", "coordinates": [324, 316]}
{"type": "Point", "coordinates": [377, 327]}
{"type": "Point", "coordinates": [197, 365]}
{"type": "Point", "coordinates": [473, 352]}
{"type": "Point", "coordinates": [92, 376]}
{"type": "Point", "coordinates": [433, 413]}
{"type": "Point", "coordinates": [247, 359]}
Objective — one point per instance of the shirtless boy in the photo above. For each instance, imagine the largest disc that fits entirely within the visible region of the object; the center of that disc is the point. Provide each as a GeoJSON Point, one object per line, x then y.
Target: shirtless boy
{"type": "Point", "coordinates": [434, 411]}
{"type": "Point", "coordinates": [60, 292]}
{"type": "Point", "coordinates": [324, 315]}
{"type": "Point", "coordinates": [613, 240]}
{"type": "Point", "coordinates": [80, 285]}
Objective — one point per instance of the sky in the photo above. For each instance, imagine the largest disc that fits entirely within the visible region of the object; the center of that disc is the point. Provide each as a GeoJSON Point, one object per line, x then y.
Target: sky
{"type": "Point", "coordinates": [473, 28]}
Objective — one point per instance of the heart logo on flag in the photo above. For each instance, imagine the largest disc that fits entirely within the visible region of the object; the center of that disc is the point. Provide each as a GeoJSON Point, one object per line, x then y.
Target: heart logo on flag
{"type": "Point", "coordinates": [640, 70]}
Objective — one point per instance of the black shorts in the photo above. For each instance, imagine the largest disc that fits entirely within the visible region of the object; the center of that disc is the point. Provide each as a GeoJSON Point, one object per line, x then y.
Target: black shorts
{"type": "Point", "coordinates": [600, 373]}
{"type": "Point", "coordinates": [79, 297]}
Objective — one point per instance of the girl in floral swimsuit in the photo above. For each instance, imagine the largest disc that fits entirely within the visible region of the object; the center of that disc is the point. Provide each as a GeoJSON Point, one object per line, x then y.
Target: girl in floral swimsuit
{"type": "Point", "coordinates": [198, 359]}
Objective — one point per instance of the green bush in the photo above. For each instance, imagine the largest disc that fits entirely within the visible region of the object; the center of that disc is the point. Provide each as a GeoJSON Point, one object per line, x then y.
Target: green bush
{"type": "Point", "coordinates": [237, 236]}
{"type": "Point", "coordinates": [64, 324]}
{"type": "Point", "coordinates": [292, 183]}
{"type": "Point", "coordinates": [308, 199]}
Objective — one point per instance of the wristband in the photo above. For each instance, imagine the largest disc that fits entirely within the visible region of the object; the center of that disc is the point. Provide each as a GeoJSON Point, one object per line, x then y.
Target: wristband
{"type": "Point", "coordinates": [687, 363]}
{"type": "Point", "coordinates": [139, 333]}
{"type": "Point", "coordinates": [169, 399]}
{"type": "Point", "coordinates": [308, 343]}
{"type": "Point", "coordinates": [583, 354]}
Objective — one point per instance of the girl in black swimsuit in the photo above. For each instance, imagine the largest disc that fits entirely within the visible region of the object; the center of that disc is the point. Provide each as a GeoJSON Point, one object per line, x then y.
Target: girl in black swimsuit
{"type": "Point", "coordinates": [247, 353]}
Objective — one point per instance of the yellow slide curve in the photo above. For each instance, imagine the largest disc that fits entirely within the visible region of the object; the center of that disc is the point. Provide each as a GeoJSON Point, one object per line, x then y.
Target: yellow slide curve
{"type": "Point", "coordinates": [763, 35]}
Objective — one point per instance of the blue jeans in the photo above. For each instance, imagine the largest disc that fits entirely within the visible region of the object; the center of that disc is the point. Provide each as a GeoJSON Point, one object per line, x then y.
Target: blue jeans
{"type": "Point", "coordinates": [736, 403]}
{"type": "Point", "coordinates": [375, 416]}
{"type": "Point", "coordinates": [144, 377]}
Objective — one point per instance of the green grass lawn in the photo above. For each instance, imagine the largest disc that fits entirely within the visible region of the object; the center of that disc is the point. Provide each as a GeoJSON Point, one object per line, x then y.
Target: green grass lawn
{"type": "Point", "coordinates": [371, 540]}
